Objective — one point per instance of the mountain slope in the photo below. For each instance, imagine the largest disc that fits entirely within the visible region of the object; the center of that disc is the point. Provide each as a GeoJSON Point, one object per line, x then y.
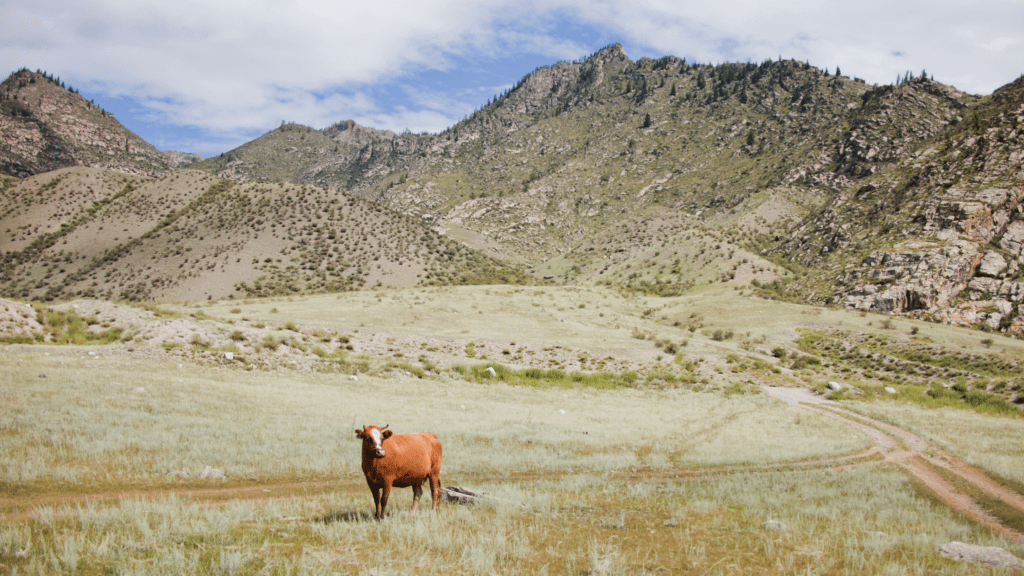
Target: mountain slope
{"type": "Point", "coordinates": [45, 126]}
{"type": "Point", "coordinates": [939, 235]}
{"type": "Point", "coordinates": [190, 236]}
{"type": "Point", "coordinates": [728, 154]}
{"type": "Point", "coordinates": [657, 176]}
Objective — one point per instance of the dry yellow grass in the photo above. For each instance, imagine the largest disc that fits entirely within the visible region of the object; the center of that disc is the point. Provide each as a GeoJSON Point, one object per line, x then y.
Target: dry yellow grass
{"type": "Point", "coordinates": [624, 481]}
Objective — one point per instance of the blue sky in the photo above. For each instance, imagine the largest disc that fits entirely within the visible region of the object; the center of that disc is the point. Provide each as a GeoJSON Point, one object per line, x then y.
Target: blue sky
{"type": "Point", "coordinates": [208, 75]}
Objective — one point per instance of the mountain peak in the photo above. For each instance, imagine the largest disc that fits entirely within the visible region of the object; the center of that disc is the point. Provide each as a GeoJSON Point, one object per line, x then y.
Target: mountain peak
{"type": "Point", "coordinates": [45, 125]}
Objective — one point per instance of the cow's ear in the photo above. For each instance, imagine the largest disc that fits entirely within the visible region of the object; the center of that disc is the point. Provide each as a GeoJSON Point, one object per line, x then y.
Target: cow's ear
{"type": "Point", "coordinates": [359, 433]}
{"type": "Point", "coordinates": [387, 434]}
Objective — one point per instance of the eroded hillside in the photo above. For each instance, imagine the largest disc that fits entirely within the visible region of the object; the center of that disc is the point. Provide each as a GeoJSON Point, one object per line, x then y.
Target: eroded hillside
{"type": "Point", "coordinates": [939, 235]}
{"type": "Point", "coordinates": [192, 236]}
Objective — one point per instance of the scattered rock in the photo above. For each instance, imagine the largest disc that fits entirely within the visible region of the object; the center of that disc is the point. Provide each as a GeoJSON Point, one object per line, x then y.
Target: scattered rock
{"type": "Point", "coordinates": [460, 495]}
{"type": "Point", "coordinates": [890, 389]}
{"type": "Point", "coordinates": [773, 525]}
{"type": "Point", "coordinates": [990, 556]}
{"type": "Point", "coordinates": [835, 386]}
{"type": "Point", "coordinates": [353, 378]}
{"type": "Point", "coordinates": [211, 473]}
{"type": "Point", "coordinates": [491, 371]}
{"type": "Point", "coordinates": [179, 473]}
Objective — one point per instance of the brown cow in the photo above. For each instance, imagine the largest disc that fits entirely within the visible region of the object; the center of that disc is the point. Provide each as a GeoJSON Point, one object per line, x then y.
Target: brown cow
{"type": "Point", "coordinates": [400, 460]}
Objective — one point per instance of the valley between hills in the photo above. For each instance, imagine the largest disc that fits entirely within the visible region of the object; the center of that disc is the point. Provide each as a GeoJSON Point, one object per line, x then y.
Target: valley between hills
{"type": "Point", "coordinates": [596, 288]}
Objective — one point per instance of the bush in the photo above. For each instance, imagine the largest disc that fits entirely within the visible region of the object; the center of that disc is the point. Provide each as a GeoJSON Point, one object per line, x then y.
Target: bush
{"type": "Point", "coordinates": [721, 335]}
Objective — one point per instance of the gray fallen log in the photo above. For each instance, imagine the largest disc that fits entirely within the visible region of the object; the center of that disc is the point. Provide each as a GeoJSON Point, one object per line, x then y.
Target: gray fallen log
{"type": "Point", "coordinates": [460, 495]}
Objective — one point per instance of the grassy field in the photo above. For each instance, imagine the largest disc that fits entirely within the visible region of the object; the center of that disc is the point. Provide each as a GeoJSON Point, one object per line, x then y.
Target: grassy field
{"type": "Point", "coordinates": [103, 448]}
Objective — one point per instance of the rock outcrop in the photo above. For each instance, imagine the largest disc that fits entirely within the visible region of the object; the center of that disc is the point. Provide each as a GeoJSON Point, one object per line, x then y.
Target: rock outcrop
{"type": "Point", "coordinates": [45, 126]}
{"type": "Point", "coordinates": [943, 229]}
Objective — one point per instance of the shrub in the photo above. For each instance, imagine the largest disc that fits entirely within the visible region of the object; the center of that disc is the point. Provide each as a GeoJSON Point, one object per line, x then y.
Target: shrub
{"type": "Point", "coordinates": [721, 335]}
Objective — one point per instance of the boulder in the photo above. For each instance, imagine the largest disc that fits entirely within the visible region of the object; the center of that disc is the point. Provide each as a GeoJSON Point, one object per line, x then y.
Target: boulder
{"type": "Point", "coordinates": [983, 286]}
{"type": "Point", "coordinates": [992, 264]}
{"type": "Point", "coordinates": [990, 556]}
{"type": "Point", "coordinates": [1013, 238]}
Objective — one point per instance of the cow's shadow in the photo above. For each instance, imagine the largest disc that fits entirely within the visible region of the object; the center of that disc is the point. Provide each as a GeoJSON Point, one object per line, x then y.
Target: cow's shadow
{"type": "Point", "coordinates": [349, 515]}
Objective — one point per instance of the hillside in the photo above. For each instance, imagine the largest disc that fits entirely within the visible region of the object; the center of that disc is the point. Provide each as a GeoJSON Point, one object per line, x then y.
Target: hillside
{"type": "Point", "coordinates": [660, 176]}
{"type": "Point", "coordinates": [45, 126]}
{"type": "Point", "coordinates": [938, 236]}
{"type": "Point", "coordinates": [191, 236]}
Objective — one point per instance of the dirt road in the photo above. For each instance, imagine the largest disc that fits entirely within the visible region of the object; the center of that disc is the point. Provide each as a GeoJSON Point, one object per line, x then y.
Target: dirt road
{"type": "Point", "coordinates": [913, 454]}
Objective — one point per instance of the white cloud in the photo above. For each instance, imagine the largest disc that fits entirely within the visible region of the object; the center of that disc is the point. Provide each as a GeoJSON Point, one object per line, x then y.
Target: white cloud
{"type": "Point", "coordinates": [237, 66]}
{"type": "Point", "coordinates": [974, 46]}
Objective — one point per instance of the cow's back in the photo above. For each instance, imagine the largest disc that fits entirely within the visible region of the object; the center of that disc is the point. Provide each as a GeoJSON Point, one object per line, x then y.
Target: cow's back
{"type": "Point", "coordinates": [411, 458]}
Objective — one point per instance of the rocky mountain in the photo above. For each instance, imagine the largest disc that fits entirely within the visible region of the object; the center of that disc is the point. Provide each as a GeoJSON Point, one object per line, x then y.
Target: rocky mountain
{"type": "Point", "coordinates": [662, 175]}
{"type": "Point", "coordinates": [939, 235]}
{"type": "Point", "coordinates": [659, 176]}
{"type": "Point", "coordinates": [187, 236]}
{"type": "Point", "coordinates": [45, 126]}
{"type": "Point", "coordinates": [181, 159]}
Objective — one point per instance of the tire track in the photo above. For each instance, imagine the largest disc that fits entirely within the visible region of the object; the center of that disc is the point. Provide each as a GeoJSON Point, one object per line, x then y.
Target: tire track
{"type": "Point", "coordinates": [913, 453]}
{"type": "Point", "coordinates": [895, 445]}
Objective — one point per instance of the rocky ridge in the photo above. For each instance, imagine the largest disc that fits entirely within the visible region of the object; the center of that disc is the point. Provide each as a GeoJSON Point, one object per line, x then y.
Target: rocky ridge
{"type": "Point", "coordinates": [661, 175]}
{"type": "Point", "coordinates": [734, 156]}
{"type": "Point", "coordinates": [45, 126]}
{"type": "Point", "coordinates": [938, 236]}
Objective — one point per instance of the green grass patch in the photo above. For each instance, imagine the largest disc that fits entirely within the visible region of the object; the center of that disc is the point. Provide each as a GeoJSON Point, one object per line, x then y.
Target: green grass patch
{"type": "Point", "coordinates": [545, 378]}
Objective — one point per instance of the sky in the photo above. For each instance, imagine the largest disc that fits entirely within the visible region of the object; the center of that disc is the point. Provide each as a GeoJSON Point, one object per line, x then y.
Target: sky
{"type": "Point", "coordinates": [206, 76]}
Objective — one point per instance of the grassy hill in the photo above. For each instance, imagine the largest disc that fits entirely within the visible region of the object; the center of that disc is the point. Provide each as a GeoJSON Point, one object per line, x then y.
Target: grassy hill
{"type": "Point", "coordinates": [661, 176]}
{"type": "Point", "coordinates": [192, 236]}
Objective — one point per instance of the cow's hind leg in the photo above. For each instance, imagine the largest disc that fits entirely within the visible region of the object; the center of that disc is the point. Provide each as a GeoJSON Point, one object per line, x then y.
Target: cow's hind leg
{"type": "Point", "coordinates": [417, 491]}
{"type": "Point", "coordinates": [435, 491]}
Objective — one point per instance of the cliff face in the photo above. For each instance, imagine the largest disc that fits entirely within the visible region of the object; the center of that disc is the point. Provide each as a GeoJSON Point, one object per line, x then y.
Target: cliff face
{"type": "Point", "coordinates": [44, 126]}
{"type": "Point", "coordinates": [939, 234]}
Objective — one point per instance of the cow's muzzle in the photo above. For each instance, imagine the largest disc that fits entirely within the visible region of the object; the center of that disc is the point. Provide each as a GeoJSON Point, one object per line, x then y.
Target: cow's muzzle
{"type": "Point", "coordinates": [378, 453]}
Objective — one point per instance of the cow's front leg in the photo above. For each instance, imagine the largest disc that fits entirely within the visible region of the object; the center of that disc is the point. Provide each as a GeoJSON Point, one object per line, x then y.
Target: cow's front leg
{"type": "Point", "coordinates": [417, 491]}
{"type": "Point", "coordinates": [376, 503]}
{"type": "Point", "coordinates": [385, 493]}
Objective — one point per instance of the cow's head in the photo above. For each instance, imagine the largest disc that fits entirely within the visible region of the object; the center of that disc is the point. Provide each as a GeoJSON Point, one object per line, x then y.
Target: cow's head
{"type": "Point", "coordinates": [373, 439]}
